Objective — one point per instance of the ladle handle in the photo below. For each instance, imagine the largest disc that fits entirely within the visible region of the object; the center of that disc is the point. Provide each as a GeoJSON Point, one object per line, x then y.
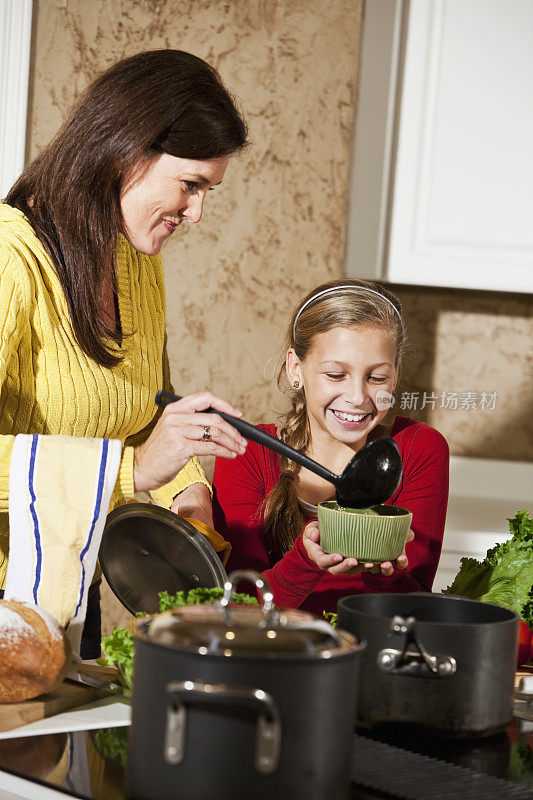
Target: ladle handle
{"type": "Point", "coordinates": [258, 436]}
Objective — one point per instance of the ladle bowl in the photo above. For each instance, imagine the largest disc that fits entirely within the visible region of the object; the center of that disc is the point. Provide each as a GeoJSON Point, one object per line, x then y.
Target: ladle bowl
{"type": "Point", "coordinates": [370, 477]}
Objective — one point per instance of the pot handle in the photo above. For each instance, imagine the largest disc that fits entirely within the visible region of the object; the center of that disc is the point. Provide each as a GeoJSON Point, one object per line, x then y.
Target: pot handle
{"type": "Point", "coordinates": [268, 736]}
{"type": "Point", "coordinates": [271, 616]}
{"type": "Point", "coordinates": [261, 583]}
{"type": "Point", "coordinates": [414, 660]}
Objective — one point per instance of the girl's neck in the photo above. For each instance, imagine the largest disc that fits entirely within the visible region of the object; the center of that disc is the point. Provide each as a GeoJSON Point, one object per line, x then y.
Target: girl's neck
{"type": "Point", "coordinates": [331, 454]}
{"type": "Point", "coordinates": [328, 451]}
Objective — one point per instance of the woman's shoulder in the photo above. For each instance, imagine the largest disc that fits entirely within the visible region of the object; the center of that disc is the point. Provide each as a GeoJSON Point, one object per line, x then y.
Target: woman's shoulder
{"type": "Point", "coordinates": [15, 229]}
{"type": "Point", "coordinates": [19, 248]}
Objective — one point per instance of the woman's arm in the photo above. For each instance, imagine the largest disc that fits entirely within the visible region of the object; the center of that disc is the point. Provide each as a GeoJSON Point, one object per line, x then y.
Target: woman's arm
{"type": "Point", "coordinates": [163, 455]}
{"type": "Point", "coordinates": [17, 304]}
{"type": "Point", "coordinates": [195, 501]}
{"type": "Point", "coordinates": [15, 293]}
{"type": "Point", "coordinates": [192, 475]}
{"type": "Point", "coordinates": [190, 489]}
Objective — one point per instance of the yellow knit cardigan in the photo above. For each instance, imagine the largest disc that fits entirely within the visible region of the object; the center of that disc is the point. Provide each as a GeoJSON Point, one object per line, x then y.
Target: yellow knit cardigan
{"type": "Point", "coordinates": [48, 385]}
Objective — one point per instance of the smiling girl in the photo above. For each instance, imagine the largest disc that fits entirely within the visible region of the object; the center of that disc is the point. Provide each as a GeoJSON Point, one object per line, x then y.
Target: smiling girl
{"type": "Point", "coordinates": [344, 349]}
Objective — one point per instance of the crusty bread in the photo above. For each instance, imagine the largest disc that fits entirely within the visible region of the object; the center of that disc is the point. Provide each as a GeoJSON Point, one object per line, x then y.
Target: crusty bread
{"type": "Point", "coordinates": [34, 654]}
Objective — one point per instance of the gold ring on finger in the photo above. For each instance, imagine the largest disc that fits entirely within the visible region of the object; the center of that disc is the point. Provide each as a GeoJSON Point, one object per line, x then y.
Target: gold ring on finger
{"type": "Point", "coordinates": [206, 435]}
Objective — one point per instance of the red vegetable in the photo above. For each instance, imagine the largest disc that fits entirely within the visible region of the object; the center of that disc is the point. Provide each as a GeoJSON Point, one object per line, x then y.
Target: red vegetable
{"type": "Point", "coordinates": [525, 644]}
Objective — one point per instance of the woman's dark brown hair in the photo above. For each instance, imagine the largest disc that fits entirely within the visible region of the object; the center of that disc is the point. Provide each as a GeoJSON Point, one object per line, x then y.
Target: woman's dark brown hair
{"type": "Point", "coordinates": [350, 304]}
{"type": "Point", "coordinates": [159, 101]}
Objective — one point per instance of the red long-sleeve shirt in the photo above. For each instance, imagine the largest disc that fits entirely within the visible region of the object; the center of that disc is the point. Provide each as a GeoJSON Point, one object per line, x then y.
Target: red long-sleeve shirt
{"type": "Point", "coordinates": [242, 484]}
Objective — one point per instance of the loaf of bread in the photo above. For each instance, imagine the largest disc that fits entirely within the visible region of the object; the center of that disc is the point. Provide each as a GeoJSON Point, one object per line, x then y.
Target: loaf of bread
{"type": "Point", "coordinates": [34, 653]}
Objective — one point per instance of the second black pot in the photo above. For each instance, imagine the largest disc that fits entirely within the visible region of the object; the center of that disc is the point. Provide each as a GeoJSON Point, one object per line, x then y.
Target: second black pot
{"type": "Point", "coordinates": [441, 662]}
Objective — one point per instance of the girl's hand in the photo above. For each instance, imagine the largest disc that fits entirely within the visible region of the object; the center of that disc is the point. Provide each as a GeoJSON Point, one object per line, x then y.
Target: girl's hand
{"type": "Point", "coordinates": [194, 501]}
{"type": "Point", "coordinates": [335, 564]}
{"type": "Point", "coordinates": [387, 567]}
{"type": "Point", "coordinates": [180, 434]}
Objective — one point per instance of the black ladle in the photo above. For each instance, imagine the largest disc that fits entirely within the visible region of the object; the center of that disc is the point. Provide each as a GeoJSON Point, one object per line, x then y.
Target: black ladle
{"type": "Point", "coordinates": [369, 478]}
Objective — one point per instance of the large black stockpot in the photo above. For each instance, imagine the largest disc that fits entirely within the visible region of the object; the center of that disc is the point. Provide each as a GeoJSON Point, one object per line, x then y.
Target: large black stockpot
{"type": "Point", "coordinates": [439, 661]}
{"type": "Point", "coordinates": [237, 702]}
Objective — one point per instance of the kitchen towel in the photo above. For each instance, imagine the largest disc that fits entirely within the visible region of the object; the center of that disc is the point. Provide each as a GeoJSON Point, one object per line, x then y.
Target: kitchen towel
{"type": "Point", "coordinates": [217, 542]}
{"type": "Point", "coordinates": [60, 488]}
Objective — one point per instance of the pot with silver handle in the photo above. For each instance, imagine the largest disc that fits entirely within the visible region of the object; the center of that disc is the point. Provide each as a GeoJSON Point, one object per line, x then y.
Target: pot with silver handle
{"type": "Point", "coordinates": [441, 662]}
{"type": "Point", "coordinates": [241, 701]}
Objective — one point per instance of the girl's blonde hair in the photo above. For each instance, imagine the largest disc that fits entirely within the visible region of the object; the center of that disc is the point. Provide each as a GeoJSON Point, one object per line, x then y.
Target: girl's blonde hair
{"type": "Point", "coordinates": [353, 303]}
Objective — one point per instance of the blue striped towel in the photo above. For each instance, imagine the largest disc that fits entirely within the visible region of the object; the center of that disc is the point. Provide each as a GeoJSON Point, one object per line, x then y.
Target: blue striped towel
{"type": "Point", "coordinates": [60, 488]}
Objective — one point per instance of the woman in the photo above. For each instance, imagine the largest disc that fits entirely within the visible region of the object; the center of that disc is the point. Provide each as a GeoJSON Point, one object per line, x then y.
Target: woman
{"type": "Point", "coordinates": [82, 317]}
{"type": "Point", "coordinates": [344, 349]}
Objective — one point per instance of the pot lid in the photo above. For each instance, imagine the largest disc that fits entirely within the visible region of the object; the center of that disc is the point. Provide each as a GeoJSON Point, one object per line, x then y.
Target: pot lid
{"type": "Point", "coordinates": [146, 549]}
{"type": "Point", "coordinates": [228, 629]}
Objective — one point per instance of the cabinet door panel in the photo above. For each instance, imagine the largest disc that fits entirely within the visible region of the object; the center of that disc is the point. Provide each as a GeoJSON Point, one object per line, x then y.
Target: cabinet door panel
{"type": "Point", "coordinates": [462, 205]}
{"type": "Point", "coordinates": [15, 39]}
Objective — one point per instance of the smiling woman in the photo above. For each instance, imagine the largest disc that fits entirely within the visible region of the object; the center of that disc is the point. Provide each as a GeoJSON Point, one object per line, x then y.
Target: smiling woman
{"type": "Point", "coordinates": [82, 311]}
{"type": "Point", "coordinates": [345, 343]}
{"type": "Point", "coordinates": [166, 192]}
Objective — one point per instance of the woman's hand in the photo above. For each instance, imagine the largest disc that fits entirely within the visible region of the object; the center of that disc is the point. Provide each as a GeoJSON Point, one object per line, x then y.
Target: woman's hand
{"type": "Point", "coordinates": [180, 434]}
{"type": "Point", "coordinates": [335, 564]}
{"type": "Point", "coordinates": [194, 501]}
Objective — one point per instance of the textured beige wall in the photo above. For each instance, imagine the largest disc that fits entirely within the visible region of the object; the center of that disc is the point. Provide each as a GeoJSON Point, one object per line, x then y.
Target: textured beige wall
{"type": "Point", "coordinates": [275, 228]}
{"type": "Point", "coordinates": [472, 342]}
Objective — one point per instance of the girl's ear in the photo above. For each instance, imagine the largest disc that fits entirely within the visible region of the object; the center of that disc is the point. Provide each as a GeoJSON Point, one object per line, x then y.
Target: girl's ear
{"type": "Point", "coordinates": [293, 369]}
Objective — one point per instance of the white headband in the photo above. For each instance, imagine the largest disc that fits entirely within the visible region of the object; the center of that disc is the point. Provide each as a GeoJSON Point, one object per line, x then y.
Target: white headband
{"type": "Point", "coordinates": [335, 289]}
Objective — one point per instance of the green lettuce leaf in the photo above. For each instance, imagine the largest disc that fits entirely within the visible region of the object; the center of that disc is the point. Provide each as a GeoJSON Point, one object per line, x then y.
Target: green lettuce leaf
{"type": "Point", "coordinates": [118, 645]}
{"type": "Point", "coordinates": [332, 617]}
{"type": "Point", "coordinates": [527, 611]}
{"type": "Point", "coordinates": [118, 652]}
{"type": "Point", "coordinates": [200, 595]}
{"type": "Point", "coordinates": [505, 576]}
{"type": "Point", "coordinates": [112, 743]}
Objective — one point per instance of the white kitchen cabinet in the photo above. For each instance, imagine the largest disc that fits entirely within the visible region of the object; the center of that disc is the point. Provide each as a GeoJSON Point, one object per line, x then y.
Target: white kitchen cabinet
{"type": "Point", "coordinates": [15, 42]}
{"type": "Point", "coordinates": [442, 184]}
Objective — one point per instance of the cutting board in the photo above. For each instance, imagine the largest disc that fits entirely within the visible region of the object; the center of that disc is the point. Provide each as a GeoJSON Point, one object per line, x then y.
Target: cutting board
{"type": "Point", "coordinates": [66, 696]}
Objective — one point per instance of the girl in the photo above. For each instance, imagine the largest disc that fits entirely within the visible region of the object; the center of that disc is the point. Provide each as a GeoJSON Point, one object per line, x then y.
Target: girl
{"type": "Point", "coordinates": [344, 349]}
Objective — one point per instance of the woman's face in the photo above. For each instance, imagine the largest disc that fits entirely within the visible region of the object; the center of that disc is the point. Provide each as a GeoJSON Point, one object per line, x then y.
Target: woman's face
{"type": "Point", "coordinates": [348, 376]}
{"type": "Point", "coordinates": [158, 197]}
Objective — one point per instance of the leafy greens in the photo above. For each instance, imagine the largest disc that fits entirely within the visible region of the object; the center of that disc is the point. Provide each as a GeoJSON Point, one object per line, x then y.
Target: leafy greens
{"type": "Point", "coordinates": [505, 576]}
{"type": "Point", "coordinates": [118, 645]}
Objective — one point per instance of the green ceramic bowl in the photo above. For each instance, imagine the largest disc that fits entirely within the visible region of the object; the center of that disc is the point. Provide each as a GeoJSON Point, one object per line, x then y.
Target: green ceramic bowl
{"type": "Point", "coordinates": [368, 534]}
